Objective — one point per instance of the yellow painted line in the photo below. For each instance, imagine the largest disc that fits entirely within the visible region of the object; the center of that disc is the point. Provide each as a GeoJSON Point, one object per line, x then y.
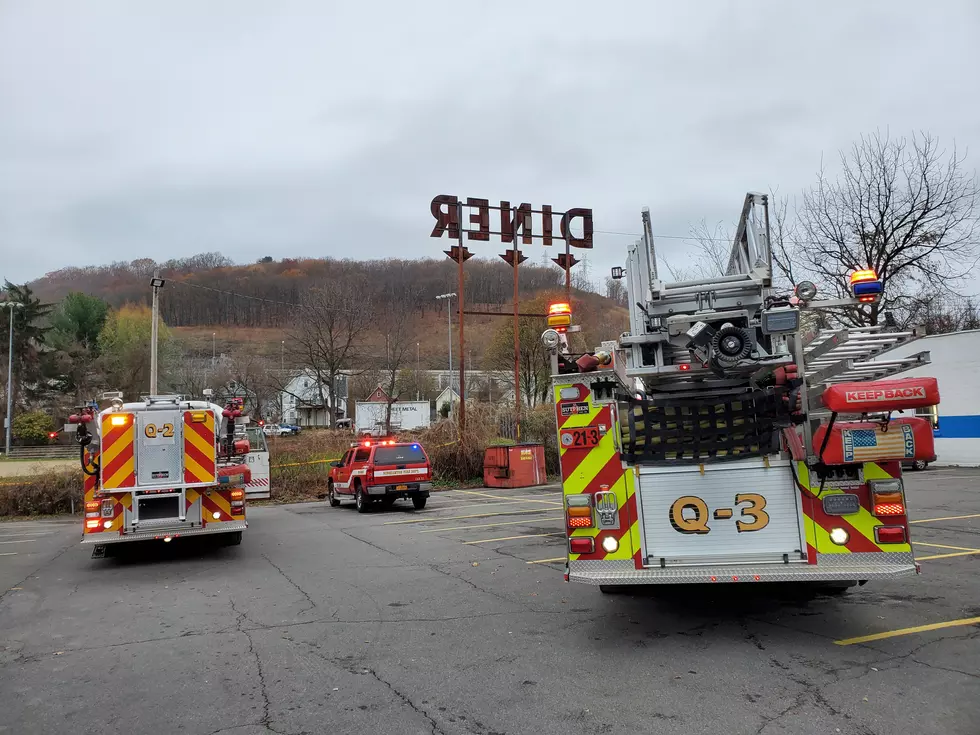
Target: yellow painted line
{"type": "Point", "coordinates": [489, 525]}
{"type": "Point", "coordinates": [907, 631]}
{"type": "Point", "coordinates": [486, 505]}
{"type": "Point", "coordinates": [529, 499]}
{"type": "Point", "coordinates": [471, 515]}
{"type": "Point", "coordinates": [546, 561]}
{"type": "Point", "coordinates": [511, 538]}
{"type": "Point", "coordinates": [947, 518]}
{"type": "Point", "coordinates": [941, 546]}
{"type": "Point", "coordinates": [946, 556]}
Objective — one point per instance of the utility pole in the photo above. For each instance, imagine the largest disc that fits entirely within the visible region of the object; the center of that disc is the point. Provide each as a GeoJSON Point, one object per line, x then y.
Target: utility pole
{"type": "Point", "coordinates": [213, 354]}
{"type": "Point", "coordinates": [418, 366]}
{"type": "Point", "coordinates": [156, 283]}
{"type": "Point", "coordinates": [11, 305]}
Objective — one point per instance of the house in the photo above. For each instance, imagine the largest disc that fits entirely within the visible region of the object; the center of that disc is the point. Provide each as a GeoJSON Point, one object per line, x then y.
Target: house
{"type": "Point", "coordinates": [305, 401]}
{"type": "Point", "coordinates": [450, 396]}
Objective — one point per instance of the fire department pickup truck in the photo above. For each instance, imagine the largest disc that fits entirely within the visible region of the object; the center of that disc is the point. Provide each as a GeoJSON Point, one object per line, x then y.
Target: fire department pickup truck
{"type": "Point", "coordinates": [381, 472]}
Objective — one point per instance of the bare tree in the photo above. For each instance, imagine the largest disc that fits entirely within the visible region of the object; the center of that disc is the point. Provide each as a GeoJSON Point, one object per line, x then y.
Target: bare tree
{"type": "Point", "coordinates": [328, 333]}
{"type": "Point", "coordinates": [708, 255]}
{"type": "Point", "coordinates": [904, 207]}
{"type": "Point", "coordinates": [396, 326]}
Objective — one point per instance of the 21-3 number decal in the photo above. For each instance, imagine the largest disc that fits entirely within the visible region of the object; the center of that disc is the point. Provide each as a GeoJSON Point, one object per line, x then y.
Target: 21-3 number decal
{"type": "Point", "coordinates": [696, 519]}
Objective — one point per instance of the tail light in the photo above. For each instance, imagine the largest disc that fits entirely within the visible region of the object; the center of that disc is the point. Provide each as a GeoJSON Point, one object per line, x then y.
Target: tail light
{"type": "Point", "coordinates": [238, 494]}
{"type": "Point", "coordinates": [887, 497]}
{"type": "Point", "coordinates": [581, 545]}
{"type": "Point", "coordinates": [890, 535]}
{"type": "Point", "coordinates": [91, 506]}
{"type": "Point", "coordinates": [92, 523]}
{"type": "Point", "coordinates": [578, 513]}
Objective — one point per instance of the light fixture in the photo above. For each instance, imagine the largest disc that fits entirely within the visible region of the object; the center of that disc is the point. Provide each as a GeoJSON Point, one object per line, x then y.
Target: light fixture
{"type": "Point", "coordinates": [806, 290]}
{"type": "Point", "coordinates": [157, 282]}
{"type": "Point", "coordinates": [617, 272]}
{"type": "Point", "coordinates": [839, 536]}
{"type": "Point", "coordinates": [610, 544]}
{"type": "Point", "coordinates": [550, 339]}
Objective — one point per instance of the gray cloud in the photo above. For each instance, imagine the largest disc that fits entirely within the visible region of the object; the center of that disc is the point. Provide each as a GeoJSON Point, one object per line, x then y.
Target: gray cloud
{"type": "Point", "coordinates": [323, 129]}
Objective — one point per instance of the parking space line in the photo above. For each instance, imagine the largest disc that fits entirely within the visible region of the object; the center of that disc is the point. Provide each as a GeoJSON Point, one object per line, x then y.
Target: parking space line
{"type": "Point", "coordinates": [546, 561]}
{"type": "Point", "coordinates": [947, 556]}
{"type": "Point", "coordinates": [942, 546]}
{"type": "Point", "coordinates": [487, 505]}
{"type": "Point", "coordinates": [511, 538]}
{"type": "Point", "coordinates": [8, 553]}
{"type": "Point", "coordinates": [947, 518]}
{"type": "Point", "coordinates": [22, 541]}
{"type": "Point", "coordinates": [25, 533]}
{"type": "Point", "coordinates": [907, 631]}
{"type": "Point", "coordinates": [491, 525]}
{"type": "Point", "coordinates": [527, 499]}
{"type": "Point", "coordinates": [471, 515]}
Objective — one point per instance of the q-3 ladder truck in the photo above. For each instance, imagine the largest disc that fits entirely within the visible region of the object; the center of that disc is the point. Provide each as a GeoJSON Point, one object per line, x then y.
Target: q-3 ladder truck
{"type": "Point", "coordinates": [723, 439]}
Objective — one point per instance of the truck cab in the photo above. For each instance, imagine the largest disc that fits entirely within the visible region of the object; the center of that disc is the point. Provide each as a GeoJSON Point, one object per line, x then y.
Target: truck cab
{"type": "Point", "coordinates": [381, 472]}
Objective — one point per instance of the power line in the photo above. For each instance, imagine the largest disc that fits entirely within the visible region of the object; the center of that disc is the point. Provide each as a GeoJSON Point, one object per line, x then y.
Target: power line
{"type": "Point", "coordinates": [239, 295]}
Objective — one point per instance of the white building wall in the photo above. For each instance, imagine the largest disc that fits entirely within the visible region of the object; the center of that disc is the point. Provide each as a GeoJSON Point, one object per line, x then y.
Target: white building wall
{"type": "Point", "coordinates": [956, 366]}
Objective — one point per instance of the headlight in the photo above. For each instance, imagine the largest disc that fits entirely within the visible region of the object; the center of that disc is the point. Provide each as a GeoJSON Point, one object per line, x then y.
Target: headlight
{"type": "Point", "coordinates": [550, 339]}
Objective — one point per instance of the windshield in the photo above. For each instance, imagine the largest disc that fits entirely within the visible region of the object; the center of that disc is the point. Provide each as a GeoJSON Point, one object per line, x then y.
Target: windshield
{"type": "Point", "coordinates": [407, 454]}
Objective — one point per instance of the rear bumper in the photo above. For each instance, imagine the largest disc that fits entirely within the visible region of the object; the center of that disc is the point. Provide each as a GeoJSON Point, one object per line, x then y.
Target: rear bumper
{"type": "Point", "coordinates": [829, 568]}
{"type": "Point", "coordinates": [415, 490]}
{"type": "Point", "coordinates": [161, 532]}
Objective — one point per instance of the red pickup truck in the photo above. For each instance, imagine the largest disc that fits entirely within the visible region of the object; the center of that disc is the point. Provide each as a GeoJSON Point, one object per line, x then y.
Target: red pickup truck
{"type": "Point", "coordinates": [381, 472]}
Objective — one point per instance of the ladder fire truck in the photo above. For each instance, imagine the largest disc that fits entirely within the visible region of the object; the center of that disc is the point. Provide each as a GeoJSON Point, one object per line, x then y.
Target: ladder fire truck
{"type": "Point", "coordinates": [162, 468]}
{"type": "Point", "coordinates": [722, 440]}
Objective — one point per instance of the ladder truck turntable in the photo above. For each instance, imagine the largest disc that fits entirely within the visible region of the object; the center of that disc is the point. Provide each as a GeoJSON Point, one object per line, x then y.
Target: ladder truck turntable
{"type": "Point", "coordinates": [720, 441]}
{"type": "Point", "coordinates": [162, 468]}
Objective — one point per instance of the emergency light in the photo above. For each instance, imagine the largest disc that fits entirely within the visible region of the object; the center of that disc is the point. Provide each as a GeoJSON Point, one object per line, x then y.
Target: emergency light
{"type": "Point", "coordinates": [559, 316]}
{"type": "Point", "coordinates": [866, 286]}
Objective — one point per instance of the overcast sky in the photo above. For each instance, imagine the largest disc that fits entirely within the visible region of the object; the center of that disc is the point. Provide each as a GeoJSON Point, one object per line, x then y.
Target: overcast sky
{"type": "Point", "coordinates": [162, 128]}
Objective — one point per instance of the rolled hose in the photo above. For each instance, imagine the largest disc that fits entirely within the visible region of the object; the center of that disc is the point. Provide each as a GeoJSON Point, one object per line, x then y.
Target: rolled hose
{"type": "Point", "coordinates": [96, 465]}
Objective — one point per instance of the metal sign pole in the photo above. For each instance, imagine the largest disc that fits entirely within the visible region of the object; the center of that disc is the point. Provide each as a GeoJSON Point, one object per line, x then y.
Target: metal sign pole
{"type": "Point", "coordinates": [462, 351]}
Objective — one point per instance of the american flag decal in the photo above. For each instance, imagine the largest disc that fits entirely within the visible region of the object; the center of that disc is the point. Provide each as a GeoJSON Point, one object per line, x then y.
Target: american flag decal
{"type": "Point", "coordinates": [867, 445]}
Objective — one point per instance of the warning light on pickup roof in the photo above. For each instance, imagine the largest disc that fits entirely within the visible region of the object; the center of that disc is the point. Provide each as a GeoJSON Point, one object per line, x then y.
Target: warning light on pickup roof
{"type": "Point", "coordinates": [866, 286]}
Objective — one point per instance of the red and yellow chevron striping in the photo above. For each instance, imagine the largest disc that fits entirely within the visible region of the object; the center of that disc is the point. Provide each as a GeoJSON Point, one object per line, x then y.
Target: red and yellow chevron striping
{"type": "Point", "coordinates": [591, 469]}
{"type": "Point", "coordinates": [199, 450]}
{"type": "Point", "coordinates": [117, 457]}
{"type": "Point", "coordinates": [859, 526]}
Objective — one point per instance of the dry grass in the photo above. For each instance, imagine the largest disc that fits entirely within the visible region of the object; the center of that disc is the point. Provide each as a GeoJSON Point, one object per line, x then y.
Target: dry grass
{"type": "Point", "coordinates": [47, 494]}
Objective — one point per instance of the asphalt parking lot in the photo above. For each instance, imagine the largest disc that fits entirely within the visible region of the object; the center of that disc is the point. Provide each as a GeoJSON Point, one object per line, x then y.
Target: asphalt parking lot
{"type": "Point", "coordinates": [456, 619]}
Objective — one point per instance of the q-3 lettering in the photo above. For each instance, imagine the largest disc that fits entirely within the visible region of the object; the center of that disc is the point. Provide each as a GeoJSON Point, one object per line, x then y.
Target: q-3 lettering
{"type": "Point", "coordinates": [696, 519]}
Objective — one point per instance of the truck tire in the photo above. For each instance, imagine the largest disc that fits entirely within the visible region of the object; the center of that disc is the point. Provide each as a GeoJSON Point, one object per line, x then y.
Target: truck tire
{"type": "Point", "coordinates": [331, 495]}
{"type": "Point", "coordinates": [419, 503]}
{"type": "Point", "coordinates": [360, 502]}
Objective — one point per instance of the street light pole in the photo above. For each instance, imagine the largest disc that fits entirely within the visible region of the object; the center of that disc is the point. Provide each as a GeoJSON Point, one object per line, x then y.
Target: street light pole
{"type": "Point", "coordinates": [156, 283]}
{"type": "Point", "coordinates": [11, 305]}
{"type": "Point", "coordinates": [449, 313]}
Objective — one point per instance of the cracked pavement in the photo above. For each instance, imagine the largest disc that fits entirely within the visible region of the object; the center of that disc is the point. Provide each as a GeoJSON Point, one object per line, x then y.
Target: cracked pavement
{"type": "Point", "coordinates": [325, 620]}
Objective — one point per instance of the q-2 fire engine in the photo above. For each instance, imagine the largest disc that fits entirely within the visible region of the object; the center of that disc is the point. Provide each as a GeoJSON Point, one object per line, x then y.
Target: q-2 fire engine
{"type": "Point", "coordinates": [720, 440]}
{"type": "Point", "coordinates": [162, 468]}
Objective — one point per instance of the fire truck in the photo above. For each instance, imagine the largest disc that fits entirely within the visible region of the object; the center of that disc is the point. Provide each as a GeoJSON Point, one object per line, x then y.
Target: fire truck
{"type": "Point", "coordinates": [724, 439]}
{"type": "Point", "coordinates": [162, 468]}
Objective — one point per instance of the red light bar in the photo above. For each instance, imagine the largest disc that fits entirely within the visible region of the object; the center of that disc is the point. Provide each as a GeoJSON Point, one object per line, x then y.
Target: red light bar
{"type": "Point", "coordinates": [684, 366]}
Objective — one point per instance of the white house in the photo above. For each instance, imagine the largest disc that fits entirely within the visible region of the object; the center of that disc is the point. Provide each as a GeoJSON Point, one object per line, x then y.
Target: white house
{"type": "Point", "coordinates": [956, 366]}
{"type": "Point", "coordinates": [307, 403]}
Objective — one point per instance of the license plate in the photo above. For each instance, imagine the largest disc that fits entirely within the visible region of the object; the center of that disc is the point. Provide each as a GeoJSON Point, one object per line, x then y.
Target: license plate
{"type": "Point", "coordinates": [585, 437]}
{"type": "Point", "coordinates": [401, 487]}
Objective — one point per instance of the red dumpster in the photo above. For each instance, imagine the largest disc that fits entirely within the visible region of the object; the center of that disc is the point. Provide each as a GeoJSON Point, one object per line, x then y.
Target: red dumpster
{"type": "Point", "coordinates": [521, 465]}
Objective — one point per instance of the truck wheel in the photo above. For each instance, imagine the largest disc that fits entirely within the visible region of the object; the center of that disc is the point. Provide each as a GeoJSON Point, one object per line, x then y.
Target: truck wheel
{"type": "Point", "coordinates": [419, 503]}
{"type": "Point", "coordinates": [332, 496]}
{"type": "Point", "coordinates": [919, 464]}
{"type": "Point", "coordinates": [360, 502]}
{"type": "Point", "coordinates": [233, 539]}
